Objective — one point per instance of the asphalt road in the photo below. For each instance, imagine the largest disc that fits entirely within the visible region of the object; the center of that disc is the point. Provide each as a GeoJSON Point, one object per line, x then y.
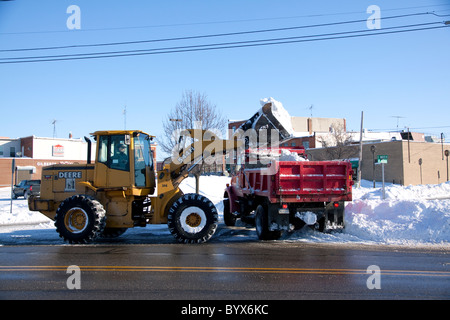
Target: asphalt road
{"type": "Point", "coordinates": [240, 270]}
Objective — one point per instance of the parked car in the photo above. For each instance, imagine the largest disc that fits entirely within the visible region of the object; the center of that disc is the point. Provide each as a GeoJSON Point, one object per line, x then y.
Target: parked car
{"type": "Point", "coordinates": [27, 188]}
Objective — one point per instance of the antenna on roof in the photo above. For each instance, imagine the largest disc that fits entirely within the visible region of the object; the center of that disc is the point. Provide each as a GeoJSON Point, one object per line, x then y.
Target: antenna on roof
{"type": "Point", "coordinates": [54, 127]}
{"type": "Point", "coordinates": [398, 117]}
{"type": "Point", "coordinates": [311, 109]}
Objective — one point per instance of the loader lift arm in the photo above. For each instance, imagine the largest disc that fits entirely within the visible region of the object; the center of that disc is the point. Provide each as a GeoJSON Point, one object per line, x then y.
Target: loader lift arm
{"type": "Point", "coordinates": [189, 154]}
{"type": "Point", "coordinates": [194, 146]}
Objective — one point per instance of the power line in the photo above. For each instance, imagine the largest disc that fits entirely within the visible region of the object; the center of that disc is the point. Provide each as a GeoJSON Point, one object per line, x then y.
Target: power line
{"type": "Point", "coordinates": [220, 22]}
{"type": "Point", "coordinates": [215, 44]}
{"type": "Point", "coordinates": [412, 128]}
{"type": "Point", "coordinates": [207, 47]}
{"type": "Point", "coordinates": [211, 35]}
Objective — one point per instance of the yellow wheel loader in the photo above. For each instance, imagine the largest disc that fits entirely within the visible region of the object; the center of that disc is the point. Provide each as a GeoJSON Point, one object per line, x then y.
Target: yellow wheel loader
{"type": "Point", "coordinates": [122, 190]}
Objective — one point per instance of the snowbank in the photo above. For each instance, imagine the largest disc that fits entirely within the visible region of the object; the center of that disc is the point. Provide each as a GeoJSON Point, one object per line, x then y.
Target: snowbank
{"type": "Point", "coordinates": [413, 215]}
{"type": "Point", "coordinates": [408, 215]}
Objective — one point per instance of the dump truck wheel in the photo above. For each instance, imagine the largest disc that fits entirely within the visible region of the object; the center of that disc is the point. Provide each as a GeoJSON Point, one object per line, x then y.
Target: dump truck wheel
{"type": "Point", "coordinates": [228, 217]}
{"type": "Point", "coordinates": [262, 225]}
{"type": "Point", "coordinates": [192, 219]}
{"type": "Point", "coordinates": [80, 219]}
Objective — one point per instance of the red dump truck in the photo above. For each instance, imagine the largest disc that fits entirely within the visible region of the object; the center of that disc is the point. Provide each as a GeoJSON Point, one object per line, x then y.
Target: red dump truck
{"type": "Point", "coordinates": [281, 195]}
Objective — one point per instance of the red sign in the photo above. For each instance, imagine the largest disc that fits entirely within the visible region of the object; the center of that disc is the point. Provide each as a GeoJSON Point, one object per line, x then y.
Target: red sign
{"type": "Point", "coordinates": [58, 151]}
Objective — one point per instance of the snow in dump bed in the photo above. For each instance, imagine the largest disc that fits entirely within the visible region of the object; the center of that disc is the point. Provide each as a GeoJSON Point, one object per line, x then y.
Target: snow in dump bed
{"type": "Point", "coordinates": [412, 215]}
{"type": "Point", "coordinates": [287, 155]}
{"type": "Point", "coordinates": [275, 154]}
{"type": "Point", "coordinates": [280, 113]}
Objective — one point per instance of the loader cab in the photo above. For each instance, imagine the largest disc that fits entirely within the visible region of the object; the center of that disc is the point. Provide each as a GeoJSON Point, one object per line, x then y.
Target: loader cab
{"type": "Point", "coordinates": [124, 160]}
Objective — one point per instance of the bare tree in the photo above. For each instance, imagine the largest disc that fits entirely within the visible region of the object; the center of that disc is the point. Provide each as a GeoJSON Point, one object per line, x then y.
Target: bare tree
{"type": "Point", "coordinates": [195, 111]}
{"type": "Point", "coordinates": [336, 142]}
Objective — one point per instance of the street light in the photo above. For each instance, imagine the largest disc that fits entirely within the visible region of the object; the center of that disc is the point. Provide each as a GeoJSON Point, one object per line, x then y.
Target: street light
{"type": "Point", "coordinates": [446, 154]}
{"type": "Point", "coordinates": [420, 165]}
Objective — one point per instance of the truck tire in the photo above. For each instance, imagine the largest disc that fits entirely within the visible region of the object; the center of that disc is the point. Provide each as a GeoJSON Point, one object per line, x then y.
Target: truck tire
{"type": "Point", "coordinates": [192, 219]}
{"type": "Point", "coordinates": [262, 225]}
{"type": "Point", "coordinates": [228, 217]}
{"type": "Point", "coordinates": [80, 219]}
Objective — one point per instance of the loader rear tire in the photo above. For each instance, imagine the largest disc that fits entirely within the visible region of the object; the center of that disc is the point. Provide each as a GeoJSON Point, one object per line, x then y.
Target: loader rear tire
{"type": "Point", "coordinates": [192, 218]}
{"type": "Point", "coordinates": [80, 219]}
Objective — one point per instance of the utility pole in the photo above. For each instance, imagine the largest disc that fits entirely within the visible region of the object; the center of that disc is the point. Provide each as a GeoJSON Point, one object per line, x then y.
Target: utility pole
{"type": "Point", "coordinates": [360, 149]}
{"type": "Point", "coordinates": [373, 148]}
{"type": "Point", "coordinates": [409, 148]}
{"type": "Point", "coordinates": [13, 169]}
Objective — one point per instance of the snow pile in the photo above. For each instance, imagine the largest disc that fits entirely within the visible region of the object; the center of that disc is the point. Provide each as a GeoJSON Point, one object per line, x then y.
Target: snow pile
{"type": "Point", "coordinates": [280, 113]}
{"type": "Point", "coordinates": [212, 187]}
{"type": "Point", "coordinates": [400, 221]}
{"type": "Point", "coordinates": [412, 215]}
{"type": "Point", "coordinates": [20, 214]}
{"type": "Point", "coordinates": [287, 155]}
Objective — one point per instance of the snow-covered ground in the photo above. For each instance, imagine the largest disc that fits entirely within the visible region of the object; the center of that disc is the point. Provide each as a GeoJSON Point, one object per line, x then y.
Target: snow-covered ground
{"type": "Point", "coordinates": [413, 216]}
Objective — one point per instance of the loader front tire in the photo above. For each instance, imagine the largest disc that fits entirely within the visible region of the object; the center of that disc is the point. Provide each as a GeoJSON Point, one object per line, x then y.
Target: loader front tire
{"type": "Point", "coordinates": [80, 219]}
{"type": "Point", "coordinates": [192, 218]}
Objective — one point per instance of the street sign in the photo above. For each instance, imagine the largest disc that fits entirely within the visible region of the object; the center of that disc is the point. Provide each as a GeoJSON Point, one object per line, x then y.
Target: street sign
{"type": "Point", "coordinates": [382, 159]}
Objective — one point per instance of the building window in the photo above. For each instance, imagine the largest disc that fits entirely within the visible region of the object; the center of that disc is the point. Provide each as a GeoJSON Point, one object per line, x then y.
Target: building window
{"type": "Point", "coordinates": [306, 144]}
{"type": "Point", "coordinates": [12, 152]}
{"type": "Point", "coordinates": [1, 151]}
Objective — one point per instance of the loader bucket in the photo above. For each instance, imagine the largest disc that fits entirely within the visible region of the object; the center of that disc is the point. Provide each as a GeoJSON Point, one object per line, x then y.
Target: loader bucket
{"type": "Point", "coordinates": [272, 118]}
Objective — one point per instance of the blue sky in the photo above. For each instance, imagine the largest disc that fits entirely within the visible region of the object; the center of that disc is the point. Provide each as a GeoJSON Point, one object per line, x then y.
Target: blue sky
{"type": "Point", "coordinates": [403, 74]}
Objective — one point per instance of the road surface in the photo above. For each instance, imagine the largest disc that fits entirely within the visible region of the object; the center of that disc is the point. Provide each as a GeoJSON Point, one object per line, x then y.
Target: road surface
{"type": "Point", "coordinates": [220, 270]}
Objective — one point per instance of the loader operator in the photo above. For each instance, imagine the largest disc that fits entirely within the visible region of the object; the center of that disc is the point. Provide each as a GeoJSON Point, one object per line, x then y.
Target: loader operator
{"type": "Point", "coordinates": [120, 160]}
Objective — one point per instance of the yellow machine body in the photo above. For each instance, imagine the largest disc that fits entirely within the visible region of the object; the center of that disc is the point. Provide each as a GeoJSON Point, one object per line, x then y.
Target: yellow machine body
{"type": "Point", "coordinates": [126, 183]}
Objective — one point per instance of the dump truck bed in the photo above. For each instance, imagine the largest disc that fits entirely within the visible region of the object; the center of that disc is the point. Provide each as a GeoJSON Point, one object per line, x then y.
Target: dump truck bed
{"type": "Point", "coordinates": [300, 181]}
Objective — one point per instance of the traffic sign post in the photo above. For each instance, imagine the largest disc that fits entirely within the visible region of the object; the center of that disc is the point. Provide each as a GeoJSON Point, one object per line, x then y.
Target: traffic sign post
{"type": "Point", "coordinates": [382, 159]}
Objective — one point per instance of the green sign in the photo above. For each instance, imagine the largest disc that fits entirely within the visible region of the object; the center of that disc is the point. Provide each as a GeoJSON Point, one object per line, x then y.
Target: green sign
{"type": "Point", "coordinates": [382, 159]}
